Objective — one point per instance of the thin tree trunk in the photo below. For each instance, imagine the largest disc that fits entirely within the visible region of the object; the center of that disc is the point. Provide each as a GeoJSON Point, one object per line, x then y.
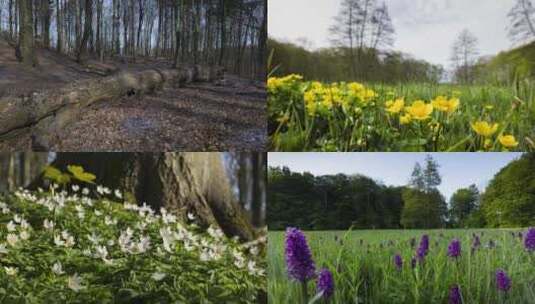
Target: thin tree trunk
{"type": "Point", "coordinates": [26, 49]}
{"type": "Point", "coordinates": [59, 24]}
{"type": "Point", "coordinates": [87, 31]}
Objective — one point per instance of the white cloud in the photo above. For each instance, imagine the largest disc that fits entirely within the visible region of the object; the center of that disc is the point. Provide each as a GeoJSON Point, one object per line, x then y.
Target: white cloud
{"type": "Point", "coordinates": [425, 29]}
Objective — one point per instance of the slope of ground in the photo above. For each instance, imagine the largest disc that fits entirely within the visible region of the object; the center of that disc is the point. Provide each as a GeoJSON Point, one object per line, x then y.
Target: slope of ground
{"type": "Point", "coordinates": [228, 115]}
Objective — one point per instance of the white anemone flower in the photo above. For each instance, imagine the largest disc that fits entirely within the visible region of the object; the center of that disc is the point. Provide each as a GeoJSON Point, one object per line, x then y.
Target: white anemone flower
{"type": "Point", "coordinates": [75, 188]}
{"type": "Point", "coordinates": [17, 218]}
{"type": "Point", "coordinates": [11, 226]}
{"type": "Point", "coordinates": [191, 216]}
{"type": "Point", "coordinates": [85, 191]}
{"type": "Point", "coordinates": [158, 276]}
{"type": "Point", "coordinates": [24, 235]}
{"type": "Point", "coordinates": [75, 283]}
{"type": "Point", "coordinates": [3, 249]}
{"type": "Point", "coordinates": [57, 268]}
{"type": "Point", "coordinates": [48, 224]}
{"type": "Point", "coordinates": [11, 270]}
{"type": "Point", "coordinates": [58, 241]}
{"type": "Point", "coordinates": [118, 194]}
{"type": "Point", "coordinates": [12, 239]}
{"type": "Point", "coordinates": [94, 238]}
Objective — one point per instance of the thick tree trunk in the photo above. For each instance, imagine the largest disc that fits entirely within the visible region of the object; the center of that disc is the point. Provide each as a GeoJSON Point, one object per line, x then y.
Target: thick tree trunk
{"type": "Point", "coordinates": [25, 50]}
{"type": "Point", "coordinates": [180, 182]}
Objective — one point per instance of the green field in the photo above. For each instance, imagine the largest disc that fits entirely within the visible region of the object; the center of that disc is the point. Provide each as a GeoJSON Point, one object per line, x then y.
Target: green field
{"type": "Point", "coordinates": [364, 272]}
{"type": "Point", "coordinates": [314, 116]}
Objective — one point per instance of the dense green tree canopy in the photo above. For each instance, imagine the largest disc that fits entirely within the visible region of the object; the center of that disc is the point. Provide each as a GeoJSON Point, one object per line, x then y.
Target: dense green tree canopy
{"type": "Point", "coordinates": [509, 199]}
{"type": "Point", "coordinates": [341, 201]}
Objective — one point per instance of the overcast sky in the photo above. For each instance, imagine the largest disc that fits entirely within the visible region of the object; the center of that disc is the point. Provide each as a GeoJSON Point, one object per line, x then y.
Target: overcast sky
{"type": "Point", "coordinates": [457, 169]}
{"type": "Point", "coordinates": [424, 28]}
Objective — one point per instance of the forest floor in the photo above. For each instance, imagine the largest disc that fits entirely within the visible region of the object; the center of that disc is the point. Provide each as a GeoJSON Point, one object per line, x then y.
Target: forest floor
{"type": "Point", "coordinates": [229, 115]}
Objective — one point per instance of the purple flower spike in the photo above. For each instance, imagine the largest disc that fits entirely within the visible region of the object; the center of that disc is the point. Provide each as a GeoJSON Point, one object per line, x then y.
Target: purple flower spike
{"type": "Point", "coordinates": [423, 249]}
{"type": "Point", "coordinates": [325, 283]}
{"type": "Point", "coordinates": [529, 240]}
{"type": "Point", "coordinates": [454, 249]}
{"type": "Point", "coordinates": [503, 282]}
{"type": "Point", "coordinates": [455, 295]}
{"type": "Point", "coordinates": [298, 257]}
{"type": "Point", "coordinates": [398, 261]}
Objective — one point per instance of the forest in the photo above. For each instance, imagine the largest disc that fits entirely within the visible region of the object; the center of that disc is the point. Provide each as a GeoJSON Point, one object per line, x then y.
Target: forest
{"type": "Point", "coordinates": [131, 227]}
{"type": "Point", "coordinates": [338, 202]}
{"type": "Point", "coordinates": [173, 61]}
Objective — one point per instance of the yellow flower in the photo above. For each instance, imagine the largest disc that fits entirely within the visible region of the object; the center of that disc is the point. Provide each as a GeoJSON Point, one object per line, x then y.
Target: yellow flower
{"type": "Point", "coordinates": [443, 104]}
{"type": "Point", "coordinates": [489, 107]}
{"type": "Point", "coordinates": [419, 110]}
{"type": "Point", "coordinates": [508, 141]}
{"type": "Point", "coordinates": [483, 128]}
{"type": "Point", "coordinates": [355, 87]}
{"type": "Point", "coordinates": [331, 97]}
{"type": "Point", "coordinates": [273, 83]}
{"type": "Point", "coordinates": [395, 106]}
{"type": "Point", "coordinates": [405, 119]}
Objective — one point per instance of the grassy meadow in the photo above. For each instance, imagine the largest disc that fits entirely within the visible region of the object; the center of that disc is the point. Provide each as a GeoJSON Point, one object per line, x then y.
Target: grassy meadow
{"type": "Point", "coordinates": [362, 263]}
{"type": "Point", "coordinates": [315, 116]}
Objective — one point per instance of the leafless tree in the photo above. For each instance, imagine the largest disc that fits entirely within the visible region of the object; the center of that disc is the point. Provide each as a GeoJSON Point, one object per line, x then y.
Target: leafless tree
{"type": "Point", "coordinates": [464, 55]}
{"type": "Point", "coordinates": [522, 18]}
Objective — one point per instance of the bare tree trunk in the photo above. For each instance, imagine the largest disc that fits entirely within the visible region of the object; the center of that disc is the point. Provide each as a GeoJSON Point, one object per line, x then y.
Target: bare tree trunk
{"type": "Point", "coordinates": [46, 23]}
{"type": "Point", "coordinates": [59, 26]}
{"type": "Point", "coordinates": [82, 48]}
{"type": "Point", "coordinates": [11, 19]}
{"type": "Point", "coordinates": [25, 50]}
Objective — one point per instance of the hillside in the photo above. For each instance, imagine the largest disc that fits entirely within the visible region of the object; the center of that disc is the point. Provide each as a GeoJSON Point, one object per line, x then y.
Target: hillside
{"type": "Point", "coordinates": [515, 64]}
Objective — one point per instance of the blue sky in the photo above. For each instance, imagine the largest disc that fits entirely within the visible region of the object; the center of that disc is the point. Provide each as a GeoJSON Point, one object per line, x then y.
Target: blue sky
{"type": "Point", "coordinates": [425, 29]}
{"type": "Point", "coordinates": [457, 169]}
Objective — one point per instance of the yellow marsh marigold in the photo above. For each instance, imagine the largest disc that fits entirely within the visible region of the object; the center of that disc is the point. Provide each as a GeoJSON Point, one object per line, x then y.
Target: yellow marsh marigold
{"type": "Point", "coordinates": [396, 106]}
{"type": "Point", "coordinates": [419, 110]}
{"type": "Point", "coordinates": [443, 104]}
{"type": "Point", "coordinates": [332, 96]}
{"type": "Point", "coordinates": [508, 141]}
{"type": "Point", "coordinates": [405, 119]}
{"type": "Point", "coordinates": [275, 83]}
{"type": "Point", "coordinates": [485, 129]}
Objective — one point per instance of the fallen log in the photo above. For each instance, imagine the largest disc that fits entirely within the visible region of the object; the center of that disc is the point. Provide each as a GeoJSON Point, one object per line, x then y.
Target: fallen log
{"type": "Point", "coordinates": [49, 112]}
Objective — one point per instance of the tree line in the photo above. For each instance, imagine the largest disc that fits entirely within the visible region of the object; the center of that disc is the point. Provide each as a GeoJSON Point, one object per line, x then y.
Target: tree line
{"type": "Point", "coordinates": [331, 64]}
{"type": "Point", "coordinates": [342, 201]}
{"type": "Point", "coordinates": [361, 34]}
{"type": "Point", "coordinates": [229, 33]}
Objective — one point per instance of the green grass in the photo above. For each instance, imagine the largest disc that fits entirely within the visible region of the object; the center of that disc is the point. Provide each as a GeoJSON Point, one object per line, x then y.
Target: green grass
{"type": "Point", "coordinates": [365, 273]}
{"type": "Point", "coordinates": [341, 128]}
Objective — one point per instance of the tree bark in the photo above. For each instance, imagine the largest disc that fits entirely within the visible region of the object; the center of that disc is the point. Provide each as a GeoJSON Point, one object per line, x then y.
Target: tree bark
{"type": "Point", "coordinates": [59, 26]}
{"type": "Point", "coordinates": [46, 23]}
{"type": "Point", "coordinates": [87, 31]}
{"type": "Point", "coordinates": [25, 50]}
{"type": "Point", "coordinates": [180, 182]}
